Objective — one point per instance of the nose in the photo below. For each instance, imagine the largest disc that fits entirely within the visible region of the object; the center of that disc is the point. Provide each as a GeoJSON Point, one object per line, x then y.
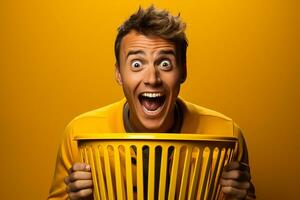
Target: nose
{"type": "Point", "coordinates": [152, 76]}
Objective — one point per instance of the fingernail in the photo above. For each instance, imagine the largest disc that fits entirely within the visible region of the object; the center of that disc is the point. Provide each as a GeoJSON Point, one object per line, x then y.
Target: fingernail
{"type": "Point", "coordinates": [87, 167]}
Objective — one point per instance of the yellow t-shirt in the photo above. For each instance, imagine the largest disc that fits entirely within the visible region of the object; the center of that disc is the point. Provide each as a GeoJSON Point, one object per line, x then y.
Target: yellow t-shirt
{"type": "Point", "coordinates": [109, 119]}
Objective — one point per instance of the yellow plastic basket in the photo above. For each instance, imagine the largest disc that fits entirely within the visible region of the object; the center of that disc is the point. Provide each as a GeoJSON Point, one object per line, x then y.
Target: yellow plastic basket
{"type": "Point", "coordinates": [156, 166]}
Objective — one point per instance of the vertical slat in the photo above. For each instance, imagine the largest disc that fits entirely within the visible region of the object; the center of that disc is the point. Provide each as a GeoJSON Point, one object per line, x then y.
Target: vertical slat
{"type": "Point", "coordinates": [219, 172]}
{"type": "Point", "coordinates": [151, 172]}
{"type": "Point", "coordinates": [110, 189]}
{"type": "Point", "coordinates": [128, 173]}
{"type": "Point", "coordinates": [213, 175]}
{"type": "Point", "coordinates": [102, 186]}
{"type": "Point", "coordinates": [94, 176]}
{"type": "Point", "coordinates": [119, 183]}
{"type": "Point", "coordinates": [140, 178]}
{"type": "Point", "coordinates": [174, 174]}
{"type": "Point", "coordinates": [203, 165]}
{"type": "Point", "coordinates": [195, 176]}
{"type": "Point", "coordinates": [185, 173]}
{"type": "Point", "coordinates": [206, 174]}
{"type": "Point", "coordinates": [163, 173]}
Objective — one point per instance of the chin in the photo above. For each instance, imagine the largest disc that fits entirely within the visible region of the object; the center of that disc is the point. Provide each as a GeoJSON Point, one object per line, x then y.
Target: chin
{"type": "Point", "coordinates": [153, 126]}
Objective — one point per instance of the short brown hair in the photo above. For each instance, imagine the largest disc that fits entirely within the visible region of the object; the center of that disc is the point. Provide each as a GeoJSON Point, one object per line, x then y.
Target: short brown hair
{"type": "Point", "coordinates": [161, 23]}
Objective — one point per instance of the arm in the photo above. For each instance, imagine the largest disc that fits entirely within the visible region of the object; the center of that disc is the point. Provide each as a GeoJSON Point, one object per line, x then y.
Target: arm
{"type": "Point", "coordinates": [236, 177]}
{"type": "Point", "coordinates": [69, 180]}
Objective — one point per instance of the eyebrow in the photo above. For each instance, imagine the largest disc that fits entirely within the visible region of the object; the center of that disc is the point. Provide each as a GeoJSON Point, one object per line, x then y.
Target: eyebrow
{"type": "Point", "coordinates": [162, 52]}
{"type": "Point", "coordinates": [167, 52]}
{"type": "Point", "coordinates": [134, 53]}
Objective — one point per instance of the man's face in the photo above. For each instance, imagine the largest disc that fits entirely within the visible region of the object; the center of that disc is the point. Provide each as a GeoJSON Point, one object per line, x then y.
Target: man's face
{"type": "Point", "coordinates": [150, 78]}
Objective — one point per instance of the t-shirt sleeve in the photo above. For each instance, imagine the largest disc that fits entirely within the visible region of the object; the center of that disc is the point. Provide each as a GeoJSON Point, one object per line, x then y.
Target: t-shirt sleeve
{"type": "Point", "coordinates": [67, 153]}
{"type": "Point", "coordinates": [241, 155]}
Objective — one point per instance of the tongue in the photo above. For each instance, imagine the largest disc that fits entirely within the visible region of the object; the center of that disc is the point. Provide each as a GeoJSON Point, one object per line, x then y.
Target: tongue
{"type": "Point", "coordinates": [150, 104]}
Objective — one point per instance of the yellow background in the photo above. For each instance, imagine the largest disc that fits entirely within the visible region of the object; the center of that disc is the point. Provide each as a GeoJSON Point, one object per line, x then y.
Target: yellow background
{"type": "Point", "coordinates": [56, 61]}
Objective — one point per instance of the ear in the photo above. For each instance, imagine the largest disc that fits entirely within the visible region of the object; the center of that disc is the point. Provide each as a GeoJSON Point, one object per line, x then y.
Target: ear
{"type": "Point", "coordinates": [118, 75]}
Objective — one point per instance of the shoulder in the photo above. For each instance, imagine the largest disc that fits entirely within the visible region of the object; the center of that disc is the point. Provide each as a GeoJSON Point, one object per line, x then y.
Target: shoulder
{"type": "Point", "coordinates": [99, 120]}
{"type": "Point", "coordinates": [194, 109]}
{"type": "Point", "coordinates": [199, 119]}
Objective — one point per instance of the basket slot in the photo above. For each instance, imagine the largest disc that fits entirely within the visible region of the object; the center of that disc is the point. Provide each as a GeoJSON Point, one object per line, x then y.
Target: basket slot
{"type": "Point", "coordinates": [174, 171]}
{"type": "Point", "coordinates": [140, 178]}
{"type": "Point", "coordinates": [195, 173]}
{"type": "Point", "coordinates": [99, 166]}
{"type": "Point", "coordinates": [129, 185]}
{"type": "Point", "coordinates": [110, 187]}
{"type": "Point", "coordinates": [146, 161]}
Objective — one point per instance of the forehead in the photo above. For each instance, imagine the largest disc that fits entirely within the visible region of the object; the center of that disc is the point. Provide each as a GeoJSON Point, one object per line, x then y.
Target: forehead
{"type": "Point", "coordinates": [134, 40]}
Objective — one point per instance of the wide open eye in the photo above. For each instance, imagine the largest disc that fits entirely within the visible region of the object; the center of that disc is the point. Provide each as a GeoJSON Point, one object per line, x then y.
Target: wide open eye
{"type": "Point", "coordinates": [136, 65]}
{"type": "Point", "coordinates": [165, 65]}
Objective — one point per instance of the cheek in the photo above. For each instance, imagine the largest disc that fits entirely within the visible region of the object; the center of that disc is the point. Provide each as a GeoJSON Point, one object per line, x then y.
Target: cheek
{"type": "Point", "coordinates": [172, 80]}
{"type": "Point", "coordinates": [130, 82]}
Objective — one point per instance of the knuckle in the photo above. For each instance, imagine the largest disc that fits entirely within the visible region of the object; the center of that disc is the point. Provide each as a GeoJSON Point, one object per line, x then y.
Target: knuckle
{"type": "Point", "coordinates": [227, 190]}
{"type": "Point", "coordinates": [230, 190]}
{"type": "Point", "coordinates": [81, 193]}
{"type": "Point", "coordinates": [66, 179]}
{"type": "Point", "coordinates": [74, 176]}
{"type": "Point", "coordinates": [231, 183]}
{"type": "Point", "coordinates": [76, 185]}
{"type": "Point", "coordinates": [75, 166]}
{"type": "Point", "coordinates": [237, 174]}
{"type": "Point", "coordinates": [84, 193]}
{"type": "Point", "coordinates": [247, 185]}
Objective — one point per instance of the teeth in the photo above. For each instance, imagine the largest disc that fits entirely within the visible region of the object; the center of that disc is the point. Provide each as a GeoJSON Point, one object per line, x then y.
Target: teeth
{"type": "Point", "coordinates": [151, 95]}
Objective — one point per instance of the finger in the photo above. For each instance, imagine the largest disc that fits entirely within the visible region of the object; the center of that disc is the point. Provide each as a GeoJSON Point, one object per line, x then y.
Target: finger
{"type": "Point", "coordinates": [79, 185]}
{"type": "Point", "coordinates": [234, 192]}
{"type": "Point", "coordinates": [235, 184]}
{"type": "Point", "coordinates": [79, 167]}
{"type": "Point", "coordinates": [67, 180]}
{"type": "Point", "coordinates": [234, 165]}
{"type": "Point", "coordinates": [80, 175]}
{"type": "Point", "coordinates": [81, 194]}
{"type": "Point", "coordinates": [237, 175]}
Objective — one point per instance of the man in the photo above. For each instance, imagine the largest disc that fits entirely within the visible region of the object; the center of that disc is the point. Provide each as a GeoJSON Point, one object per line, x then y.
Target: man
{"type": "Point", "coordinates": [150, 51]}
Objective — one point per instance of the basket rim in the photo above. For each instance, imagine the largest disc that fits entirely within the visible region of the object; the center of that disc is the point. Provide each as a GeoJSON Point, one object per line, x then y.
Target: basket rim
{"type": "Point", "coordinates": [155, 136]}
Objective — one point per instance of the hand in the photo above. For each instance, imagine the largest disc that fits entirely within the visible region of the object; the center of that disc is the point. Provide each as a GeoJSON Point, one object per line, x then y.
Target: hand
{"type": "Point", "coordinates": [235, 180]}
{"type": "Point", "coordinates": [79, 182]}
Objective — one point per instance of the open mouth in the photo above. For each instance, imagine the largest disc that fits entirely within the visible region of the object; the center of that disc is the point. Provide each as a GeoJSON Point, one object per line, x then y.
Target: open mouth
{"type": "Point", "coordinates": [152, 102]}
